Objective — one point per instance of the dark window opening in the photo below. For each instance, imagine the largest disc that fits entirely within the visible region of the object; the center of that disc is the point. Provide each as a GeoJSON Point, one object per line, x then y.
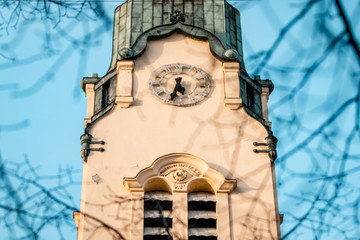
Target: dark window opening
{"type": "Point", "coordinates": [158, 237]}
{"type": "Point", "coordinates": [202, 238]}
{"type": "Point", "coordinates": [200, 205]}
{"type": "Point", "coordinates": [250, 96]}
{"type": "Point", "coordinates": [157, 205]}
{"type": "Point", "coordinates": [106, 94]}
{"type": "Point", "coordinates": [202, 223]}
{"type": "Point", "coordinates": [158, 222]}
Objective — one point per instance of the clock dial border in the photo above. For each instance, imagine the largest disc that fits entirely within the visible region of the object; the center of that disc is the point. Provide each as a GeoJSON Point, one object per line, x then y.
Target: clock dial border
{"type": "Point", "coordinates": [161, 75]}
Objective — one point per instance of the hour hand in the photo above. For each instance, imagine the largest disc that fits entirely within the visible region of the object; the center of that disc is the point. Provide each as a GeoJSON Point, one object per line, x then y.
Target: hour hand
{"type": "Point", "coordinates": [177, 88]}
{"type": "Point", "coordinates": [181, 90]}
{"type": "Point", "coordinates": [173, 95]}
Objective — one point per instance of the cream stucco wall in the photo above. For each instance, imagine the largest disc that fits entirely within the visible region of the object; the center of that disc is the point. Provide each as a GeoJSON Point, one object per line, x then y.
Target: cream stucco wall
{"type": "Point", "coordinates": [148, 129]}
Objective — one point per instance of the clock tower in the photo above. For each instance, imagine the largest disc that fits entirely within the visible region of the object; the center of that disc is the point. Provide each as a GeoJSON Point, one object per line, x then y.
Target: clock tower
{"type": "Point", "coordinates": [177, 141]}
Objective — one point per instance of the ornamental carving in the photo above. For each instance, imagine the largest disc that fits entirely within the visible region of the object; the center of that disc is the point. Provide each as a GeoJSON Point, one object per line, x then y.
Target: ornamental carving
{"type": "Point", "coordinates": [177, 16]}
{"type": "Point", "coordinates": [169, 168]}
{"type": "Point", "coordinates": [179, 186]}
{"type": "Point", "coordinates": [176, 172]}
{"type": "Point", "coordinates": [180, 172]}
{"type": "Point", "coordinates": [180, 175]}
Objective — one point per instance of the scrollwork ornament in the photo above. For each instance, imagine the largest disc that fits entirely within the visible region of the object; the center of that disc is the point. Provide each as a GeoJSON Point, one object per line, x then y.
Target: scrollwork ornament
{"type": "Point", "coordinates": [126, 53]}
{"type": "Point", "coordinates": [231, 54]}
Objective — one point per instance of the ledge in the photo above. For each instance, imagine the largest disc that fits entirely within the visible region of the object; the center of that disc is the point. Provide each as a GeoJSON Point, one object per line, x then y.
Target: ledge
{"type": "Point", "coordinates": [124, 102]}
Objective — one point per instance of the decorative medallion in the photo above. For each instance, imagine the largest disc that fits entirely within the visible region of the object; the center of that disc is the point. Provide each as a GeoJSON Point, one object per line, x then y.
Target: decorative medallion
{"type": "Point", "coordinates": [180, 84]}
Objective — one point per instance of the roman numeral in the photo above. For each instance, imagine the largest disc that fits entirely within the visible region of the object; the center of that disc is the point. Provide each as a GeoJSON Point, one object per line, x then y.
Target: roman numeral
{"type": "Point", "coordinates": [159, 90]}
{"type": "Point", "coordinates": [200, 93]}
{"type": "Point", "coordinates": [192, 99]}
{"type": "Point", "coordinates": [155, 82]}
{"type": "Point", "coordinates": [178, 68]}
{"type": "Point", "coordinates": [202, 84]}
{"type": "Point", "coordinates": [199, 76]}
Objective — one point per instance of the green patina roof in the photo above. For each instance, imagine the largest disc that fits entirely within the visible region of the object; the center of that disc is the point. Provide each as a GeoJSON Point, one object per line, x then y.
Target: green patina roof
{"type": "Point", "coordinates": [216, 20]}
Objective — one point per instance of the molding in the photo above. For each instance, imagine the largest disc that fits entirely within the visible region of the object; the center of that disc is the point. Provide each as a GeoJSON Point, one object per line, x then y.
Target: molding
{"type": "Point", "coordinates": [87, 122]}
{"type": "Point", "coordinates": [124, 102]}
{"type": "Point", "coordinates": [163, 31]}
{"type": "Point", "coordinates": [228, 186]}
{"type": "Point", "coordinates": [132, 185]}
{"type": "Point", "coordinates": [88, 80]}
{"type": "Point", "coordinates": [90, 95]}
{"type": "Point", "coordinates": [76, 216]}
{"type": "Point", "coordinates": [233, 103]}
{"type": "Point", "coordinates": [179, 172]}
{"type": "Point", "coordinates": [105, 78]}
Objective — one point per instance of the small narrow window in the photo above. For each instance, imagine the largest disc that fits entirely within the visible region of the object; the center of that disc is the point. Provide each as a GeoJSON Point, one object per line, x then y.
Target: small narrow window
{"type": "Point", "coordinates": [157, 215]}
{"type": "Point", "coordinates": [105, 94]}
{"type": "Point", "coordinates": [202, 216]}
{"type": "Point", "coordinates": [250, 96]}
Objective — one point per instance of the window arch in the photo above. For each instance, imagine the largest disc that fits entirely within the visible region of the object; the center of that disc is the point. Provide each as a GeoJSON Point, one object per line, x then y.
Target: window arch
{"type": "Point", "coordinates": [195, 191]}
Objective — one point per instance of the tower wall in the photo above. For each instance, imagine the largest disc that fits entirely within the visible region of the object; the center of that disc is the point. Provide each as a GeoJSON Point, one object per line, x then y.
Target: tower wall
{"type": "Point", "coordinates": [137, 135]}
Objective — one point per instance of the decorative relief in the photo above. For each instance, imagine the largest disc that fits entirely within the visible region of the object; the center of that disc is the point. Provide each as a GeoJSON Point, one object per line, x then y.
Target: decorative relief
{"type": "Point", "coordinates": [176, 171]}
{"type": "Point", "coordinates": [166, 170]}
{"type": "Point", "coordinates": [179, 175]}
{"type": "Point", "coordinates": [180, 172]}
{"type": "Point", "coordinates": [179, 186]}
{"type": "Point", "coordinates": [177, 16]}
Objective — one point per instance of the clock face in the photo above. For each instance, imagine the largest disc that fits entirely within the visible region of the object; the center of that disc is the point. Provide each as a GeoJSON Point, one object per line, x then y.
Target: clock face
{"type": "Point", "coordinates": [179, 84]}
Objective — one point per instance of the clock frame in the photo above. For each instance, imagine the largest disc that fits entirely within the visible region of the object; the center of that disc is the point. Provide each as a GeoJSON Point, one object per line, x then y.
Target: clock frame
{"type": "Point", "coordinates": [179, 84]}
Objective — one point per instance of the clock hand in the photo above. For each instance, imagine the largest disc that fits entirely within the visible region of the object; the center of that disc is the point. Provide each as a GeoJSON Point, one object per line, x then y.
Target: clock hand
{"type": "Point", "coordinates": [173, 95]}
{"type": "Point", "coordinates": [177, 88]}
{"type": "Point", "coordinates": [181, 89]}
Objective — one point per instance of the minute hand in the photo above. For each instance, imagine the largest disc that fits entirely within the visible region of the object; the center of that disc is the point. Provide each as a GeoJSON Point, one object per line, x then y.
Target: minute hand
{"type": "Point", "coordinates": [177, 88]}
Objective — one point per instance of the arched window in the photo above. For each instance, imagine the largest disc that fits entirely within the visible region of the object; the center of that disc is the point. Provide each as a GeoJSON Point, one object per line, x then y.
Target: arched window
{"type": "Point", "coordinates": [157, 215]}
{"type": "Point", "coordinates": [202, 216]}
{"type": "Point", "coordinates": [182, 197]}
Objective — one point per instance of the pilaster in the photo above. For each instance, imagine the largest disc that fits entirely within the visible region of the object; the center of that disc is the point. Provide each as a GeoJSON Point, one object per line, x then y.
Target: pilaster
{"type": "Point", "coordinates": [124, 84]}
{"type": "Point", "coordinates": [90, 95]}
{"type": "Point", "coordinates": [223, 215]}
{"type": "Point", "coordinates": [137, 218]}
{"type": "Point", "coordinates": [180, 216]}
{"type": "Point", "coordinates": [265, 92]}
{"type": "Point", "coordinates": [232, 85]}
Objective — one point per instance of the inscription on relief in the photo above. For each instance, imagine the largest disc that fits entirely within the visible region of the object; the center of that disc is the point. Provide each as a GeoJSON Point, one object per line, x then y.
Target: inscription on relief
{"type": "Point", "coordinates": [165, 171]}
{"type": "Point", "coordinates": [179, 186]}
